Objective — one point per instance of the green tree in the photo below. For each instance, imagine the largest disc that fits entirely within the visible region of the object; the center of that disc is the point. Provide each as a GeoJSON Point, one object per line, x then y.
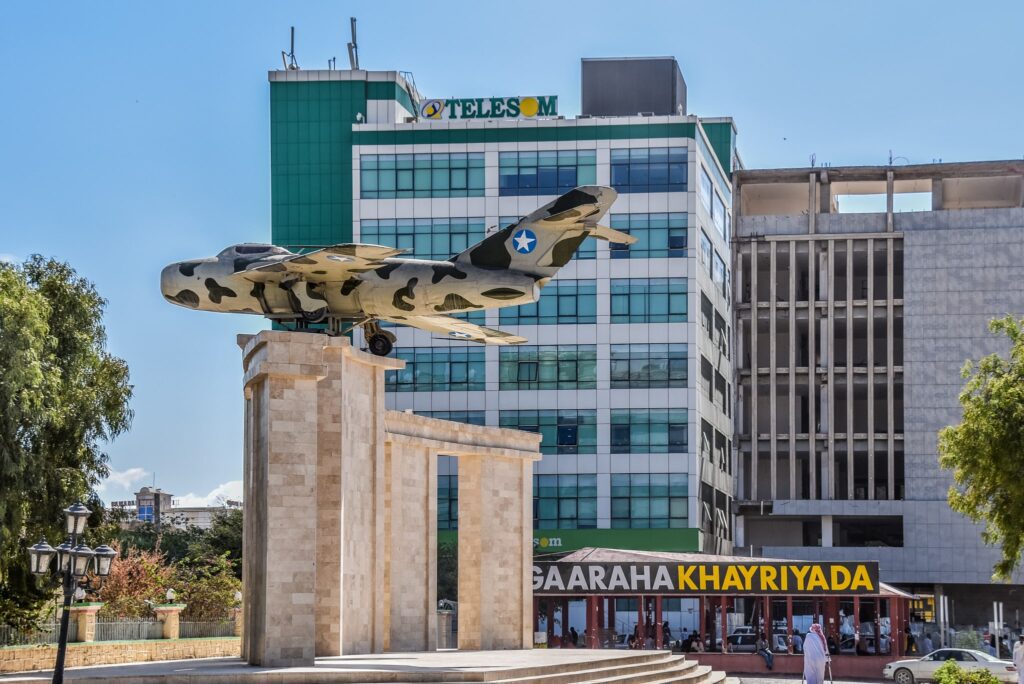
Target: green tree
{"type": "Point", "coordinates": [62, 396]}
{"type": "Point", "coordinates": [207, 587]}
{"type": "Point", "coordinates": [986, 450]}
{"type": "Point", "coordinates": [448, 571]}
{"type": "Point", "coordinates": [224, 538]}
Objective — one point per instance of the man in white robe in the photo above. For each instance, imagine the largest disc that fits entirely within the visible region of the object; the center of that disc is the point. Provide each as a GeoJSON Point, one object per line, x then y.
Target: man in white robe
{"type": "Point", "coordinates": [815, 655]}
{"type": "Point", "coordinates": [1018, 659]}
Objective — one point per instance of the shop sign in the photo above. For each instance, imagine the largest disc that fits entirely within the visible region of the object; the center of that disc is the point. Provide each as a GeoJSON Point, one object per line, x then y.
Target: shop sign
{"type": "Point", "coordinates": [490, 108]}
{"type": "Point", "coordinates": [688, 579]}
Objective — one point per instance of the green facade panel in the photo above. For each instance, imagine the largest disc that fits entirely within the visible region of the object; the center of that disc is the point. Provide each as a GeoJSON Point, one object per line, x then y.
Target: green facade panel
{"type": "Point", "coordinates": [444, 136]}
{"type": "Point", "coordinates": [555, 541]}
{"type": "Point", "coordinates": [723, 143]}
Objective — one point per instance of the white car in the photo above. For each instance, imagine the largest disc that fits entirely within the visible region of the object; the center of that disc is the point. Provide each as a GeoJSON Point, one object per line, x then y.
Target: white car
{"type": "Point", "coordinates": [920, 669]}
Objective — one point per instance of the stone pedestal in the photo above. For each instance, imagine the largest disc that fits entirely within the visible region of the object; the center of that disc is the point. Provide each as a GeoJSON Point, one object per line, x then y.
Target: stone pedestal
{"type": "Point", "coordinates": [85, 615]}
{"type": "Point", "coordinates": [341, 509]}
{"type": "Point", "coordinates": [169, 614]}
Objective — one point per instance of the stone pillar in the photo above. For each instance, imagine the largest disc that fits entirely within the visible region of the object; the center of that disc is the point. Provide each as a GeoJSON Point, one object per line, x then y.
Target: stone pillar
{"type": "Point", "coordinates": [239, 615]}
{"type": "Point", "coordinates": [170, 615]}
{"type": "Point", "coordinates": [85, 615]}
{"type": "Point", "coordinates": [281, 374]}
{"type": "Point", "coordinates": [495, 551]}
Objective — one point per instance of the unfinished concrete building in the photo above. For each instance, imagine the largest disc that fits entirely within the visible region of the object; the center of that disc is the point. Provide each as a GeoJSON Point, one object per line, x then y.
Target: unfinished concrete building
{"type": "Point", "coordinates": [860, 292]}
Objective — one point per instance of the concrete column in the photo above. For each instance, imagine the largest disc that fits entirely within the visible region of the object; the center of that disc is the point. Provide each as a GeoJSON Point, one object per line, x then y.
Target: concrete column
{"type": "Point", "coordinates": [889, 184]}
{"type": "Point", "coordinates": [281, 375]}
{"type": "Point", "coordinates": [169, 615]}
{"type": "Point", "coordinates": [85, 615]}
{"type": "Point", "coordinates": [937, 194]}
{"type": "Point", "coordinates": [826, 531]}
{"type": "Point", "coordinates": [495, 548]}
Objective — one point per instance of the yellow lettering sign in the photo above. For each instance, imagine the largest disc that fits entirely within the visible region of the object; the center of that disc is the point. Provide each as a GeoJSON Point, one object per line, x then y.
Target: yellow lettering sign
{"type": "Point", "coordinates": [748, 572]}
{"type": "Point", "coordinates": [861, 579]}
{"type": "Point", "coordinates": [732, 579]}
{"type": "Point", "coordinates": [686, 577]}
{"type": "Point", "coordinates": [840, 578]}
{"type": "Point", "coordinates": [801, 575]}
{"type": "Point", "coordinates": [713, 577]}
{"type": "Point", "coordinates": [768, 574]}
{"type": "Point", "coordinates": [817, 579]}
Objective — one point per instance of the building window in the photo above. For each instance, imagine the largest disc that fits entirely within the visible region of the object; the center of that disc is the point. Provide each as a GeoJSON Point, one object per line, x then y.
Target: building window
{"type": "Point", "coordinates": [648, 300]}
{"type": "Point", "coordinates": [390, 176]}
{"type": "Point", "coordinates": [638, 366]}
{"type": "Point", "coordinates": [705, 252]}
{"type": "Point", "coordinates": [562, 301]}
{"type": "Point", "coordinates": [448, 502]}
{"type": "Point", "coordinates": [660, 235]}
{"type": "Point", "coordinates": [440, 369]}
{"type": "Point", "coordinates": [436, 239]}
{"type": "Point", "coordinates": [656, 169]}
{"type": "Point", "coordinates": [564, 502]}
{"type": "Point", "coordinates": [545, 173]}
{"type": "Point", "coordinates": [471, 417]}
{"type": "Point", "coordinates": [537, 368]}
{"type": "Point", "coordinates": [563, 432]}
{"type": "Point", "coordinates": [649, 431]}
{"type": "Point", "coordinates": [718, 216]}
{"type": "Point", "coordinates": [649, 501]}
{"type": "Point", "coordinates": [718, 273]}
{"type": "Point", "coordinates": [586, 250]}
{"type": "Point", "coordinates": [706, 190]}
{"type": "Point", "coordinates": [145, 513]}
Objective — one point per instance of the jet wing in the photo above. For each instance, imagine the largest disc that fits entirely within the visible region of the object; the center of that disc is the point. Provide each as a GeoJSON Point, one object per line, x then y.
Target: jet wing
{"type": "Point", "coordinates": [457, 329]}
{"type": "Point", "coordinates": [330, 264]}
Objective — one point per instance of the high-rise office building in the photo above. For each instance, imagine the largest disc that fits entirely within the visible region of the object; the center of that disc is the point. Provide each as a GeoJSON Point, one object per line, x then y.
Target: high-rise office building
{"type": "Point", "coordinates": [852, 324]}
{"type": "Point", "coordinates": [628, 371]}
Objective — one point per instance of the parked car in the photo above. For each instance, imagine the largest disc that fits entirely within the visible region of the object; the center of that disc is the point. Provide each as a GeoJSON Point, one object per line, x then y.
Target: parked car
{"type": "Point", "coordinates": [923, 669]}
{"type": "Point", "coordinates": [745, 642]}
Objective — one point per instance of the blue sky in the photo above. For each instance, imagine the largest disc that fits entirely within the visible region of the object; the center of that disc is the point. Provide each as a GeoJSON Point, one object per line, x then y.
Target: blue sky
{"type": "Point", "coordinates": [136, 134]}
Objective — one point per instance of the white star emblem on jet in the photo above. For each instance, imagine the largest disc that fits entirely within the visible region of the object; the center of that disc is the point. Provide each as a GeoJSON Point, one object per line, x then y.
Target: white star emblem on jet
{"type": "Point", "coordinates": [523, 242]}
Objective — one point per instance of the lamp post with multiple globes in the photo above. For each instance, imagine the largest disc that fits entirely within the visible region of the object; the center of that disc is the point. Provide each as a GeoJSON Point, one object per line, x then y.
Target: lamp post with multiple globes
{"type": "Point", "coordinates": [74, 559]}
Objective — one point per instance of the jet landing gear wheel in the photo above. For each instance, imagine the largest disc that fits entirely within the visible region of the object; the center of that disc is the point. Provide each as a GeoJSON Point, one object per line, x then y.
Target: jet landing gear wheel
{"type": "Point", "coordinates": [381, 343]}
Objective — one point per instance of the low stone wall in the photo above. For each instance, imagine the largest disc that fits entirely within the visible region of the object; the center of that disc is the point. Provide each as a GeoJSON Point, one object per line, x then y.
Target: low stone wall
{"type": "Point", "coordinates": [843, 666]}
{"type": "Point", "coordinates": [26, 658]}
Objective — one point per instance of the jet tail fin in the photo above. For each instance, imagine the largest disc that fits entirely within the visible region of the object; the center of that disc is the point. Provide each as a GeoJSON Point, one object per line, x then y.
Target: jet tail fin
{"type": "Point", "coordinates": [546, 240]}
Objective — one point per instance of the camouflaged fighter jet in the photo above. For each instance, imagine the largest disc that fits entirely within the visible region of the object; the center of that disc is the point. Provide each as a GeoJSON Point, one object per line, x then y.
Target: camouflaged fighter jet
{"type": "Point", "coordinates": [362, 285]}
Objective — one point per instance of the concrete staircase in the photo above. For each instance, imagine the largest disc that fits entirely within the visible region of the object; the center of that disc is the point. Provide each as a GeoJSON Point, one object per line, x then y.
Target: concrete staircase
{"type": "Point", "coordinates": [645, 668]}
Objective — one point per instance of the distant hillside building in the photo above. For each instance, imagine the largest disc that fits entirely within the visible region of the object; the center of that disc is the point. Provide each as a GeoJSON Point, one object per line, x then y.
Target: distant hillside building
{"type": "Point", "coordinates": [151, 505]}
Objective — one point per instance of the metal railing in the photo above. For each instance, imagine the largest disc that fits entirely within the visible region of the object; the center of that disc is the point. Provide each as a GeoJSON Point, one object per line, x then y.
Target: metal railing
{"type": "Point", "coordinates": [199, 630]}
{"type": "Point", "coordinates": [47, 633]}
{"type": "Point", "coordinates": [128, 629]}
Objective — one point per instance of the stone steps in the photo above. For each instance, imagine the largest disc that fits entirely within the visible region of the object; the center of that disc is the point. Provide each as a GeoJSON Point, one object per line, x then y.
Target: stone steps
{"type": "Point", "coordinates": [660, 668]}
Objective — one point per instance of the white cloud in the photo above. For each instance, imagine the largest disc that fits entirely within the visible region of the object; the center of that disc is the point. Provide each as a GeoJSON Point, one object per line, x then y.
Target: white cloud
{"type": "Point", "coordinates": [123, 479]}
{"type": "Point", "coordinates": [229, 490]}
{"type": "Point", "coordinates": [10, 258]}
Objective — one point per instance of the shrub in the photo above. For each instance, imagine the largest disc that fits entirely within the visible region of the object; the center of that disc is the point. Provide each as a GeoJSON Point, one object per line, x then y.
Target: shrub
{"type": "Point", "coordinates": [951, 673]}
{"type": "Point", "coordinates": [207, 587]}
{"type": "Point", "coordinates": [137, 580]}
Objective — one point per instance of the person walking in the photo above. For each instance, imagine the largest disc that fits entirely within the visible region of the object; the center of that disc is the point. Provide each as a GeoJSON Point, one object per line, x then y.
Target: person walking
{"type": "Point", "coordinates": [927, 644]}
{"type": "Point", "coordinates": [764, 650]}
{"type": "Point", "coordinates": [1018, 659]}
{"type": "Point", "coordinates": [815, 655]}
{"type": "Point", "coordinates": [574, 636]}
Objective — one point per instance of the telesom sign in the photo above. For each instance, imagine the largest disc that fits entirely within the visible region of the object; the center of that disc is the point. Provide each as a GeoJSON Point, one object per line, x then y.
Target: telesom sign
{"type": "Point", "coordinates": [489, 108]}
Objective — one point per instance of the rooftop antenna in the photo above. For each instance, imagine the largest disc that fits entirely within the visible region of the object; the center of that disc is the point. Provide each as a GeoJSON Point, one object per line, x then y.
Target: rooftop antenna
{"type": "Point", "coordinates": [353, 48]}
{"type": "Point", "coordinates": [331, 63]}
{"type": "Point", "coordinates": [288, 58]}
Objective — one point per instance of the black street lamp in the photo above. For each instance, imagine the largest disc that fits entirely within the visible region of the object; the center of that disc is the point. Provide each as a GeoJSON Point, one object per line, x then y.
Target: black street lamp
{"type": "Point", "coordinates": [73, 561]}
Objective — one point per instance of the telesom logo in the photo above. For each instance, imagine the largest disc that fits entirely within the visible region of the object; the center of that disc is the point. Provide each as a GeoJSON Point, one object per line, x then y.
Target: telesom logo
{"type": "Point", "coordinates": [547, 542]}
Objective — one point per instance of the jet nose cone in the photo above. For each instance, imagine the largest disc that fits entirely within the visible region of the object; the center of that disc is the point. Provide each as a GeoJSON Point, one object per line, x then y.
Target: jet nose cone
{"type": "Point", "coordinates": [167, 279]}
{"type": "Point", "coordinates": [175, 288]}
